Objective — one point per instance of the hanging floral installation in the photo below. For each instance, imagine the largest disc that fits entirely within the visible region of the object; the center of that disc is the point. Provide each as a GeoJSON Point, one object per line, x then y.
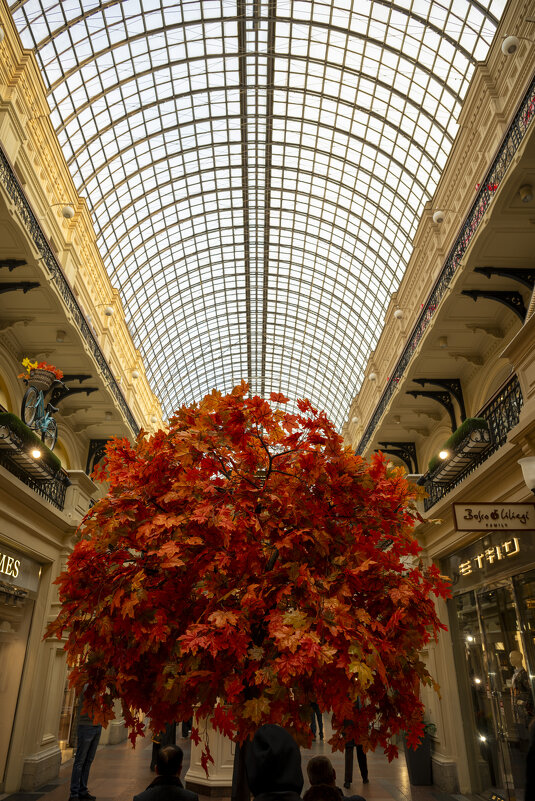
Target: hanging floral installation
{"type": "Point", "coordinates": [243, 563]}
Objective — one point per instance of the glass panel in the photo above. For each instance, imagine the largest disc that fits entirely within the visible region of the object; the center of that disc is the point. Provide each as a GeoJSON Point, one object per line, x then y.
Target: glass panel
{"type": "Point", "coordinates": [294, 143]}
{"type": "Point", "coordinates": [15, 619]}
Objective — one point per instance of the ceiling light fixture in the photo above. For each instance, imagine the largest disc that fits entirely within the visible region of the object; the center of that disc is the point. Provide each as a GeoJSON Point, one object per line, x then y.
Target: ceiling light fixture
{"type": "Point", "coordinates": [510, 45]}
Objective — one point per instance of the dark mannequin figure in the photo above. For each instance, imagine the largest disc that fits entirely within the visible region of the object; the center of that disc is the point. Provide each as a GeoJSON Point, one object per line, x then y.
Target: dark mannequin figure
{"type": "Point", "coordinates": [521, 697]}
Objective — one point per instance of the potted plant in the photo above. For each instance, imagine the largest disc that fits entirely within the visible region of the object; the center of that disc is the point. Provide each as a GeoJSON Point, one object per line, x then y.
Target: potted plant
{"type": "Point", "coordinates": [419, 763]}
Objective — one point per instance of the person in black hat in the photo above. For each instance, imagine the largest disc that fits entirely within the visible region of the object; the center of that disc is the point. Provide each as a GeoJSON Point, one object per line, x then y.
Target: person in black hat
{"type": "Point", "coordinates": [273, 765]}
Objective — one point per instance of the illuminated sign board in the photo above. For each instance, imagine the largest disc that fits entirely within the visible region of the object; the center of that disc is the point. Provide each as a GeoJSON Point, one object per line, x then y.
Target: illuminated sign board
{"type": "Point", "coordinates": [494, 516]}
{"type": "Point", "coordinates": [497, 554]}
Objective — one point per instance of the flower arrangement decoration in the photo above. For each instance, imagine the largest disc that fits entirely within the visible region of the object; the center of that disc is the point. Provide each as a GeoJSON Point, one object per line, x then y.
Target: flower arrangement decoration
{"type": "Point", "coordinates": [39, 366]}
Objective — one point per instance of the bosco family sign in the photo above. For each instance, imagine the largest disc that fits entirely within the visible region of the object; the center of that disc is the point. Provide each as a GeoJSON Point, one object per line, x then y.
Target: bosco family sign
{"type": "Point", "coordinates": [494, 516]}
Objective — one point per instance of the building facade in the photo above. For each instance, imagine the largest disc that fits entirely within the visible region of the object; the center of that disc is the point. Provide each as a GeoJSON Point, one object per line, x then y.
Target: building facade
{"type": "Point", "coordinates": [453, 374]}
{"type": "Point", "coordinates": [58, 306]}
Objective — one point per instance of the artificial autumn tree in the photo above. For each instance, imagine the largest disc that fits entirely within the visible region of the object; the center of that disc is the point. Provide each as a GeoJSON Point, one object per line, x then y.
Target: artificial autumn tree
{"type": "Point", "coordinates": [243, 563]}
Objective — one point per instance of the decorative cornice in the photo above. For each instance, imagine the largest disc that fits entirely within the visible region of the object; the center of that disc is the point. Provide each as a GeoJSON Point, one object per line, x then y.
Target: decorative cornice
{"type": "Point", "coordinates": [11, 185]}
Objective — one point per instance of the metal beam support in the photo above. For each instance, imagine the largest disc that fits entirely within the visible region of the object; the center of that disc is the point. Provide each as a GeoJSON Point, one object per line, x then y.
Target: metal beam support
{"type": "Point", "coordinates": [510, 298]}
{"type": "Point", "coordinates": [444, 398]}
{"type": "Point", "coordinates": [452, 385]}
{"type": "Point", "coordinates": [406, 451]}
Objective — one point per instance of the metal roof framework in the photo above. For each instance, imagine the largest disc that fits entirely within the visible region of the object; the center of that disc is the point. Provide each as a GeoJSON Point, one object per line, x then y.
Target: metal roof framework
{"type": "Point", "coordinates": [255, 171]}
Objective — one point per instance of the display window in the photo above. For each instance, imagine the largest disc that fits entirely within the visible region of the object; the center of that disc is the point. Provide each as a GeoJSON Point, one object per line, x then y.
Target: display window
{"type": "Point", "coordinates": [493, 633]}
{"type": "Point", "coordinates": [19, 577]}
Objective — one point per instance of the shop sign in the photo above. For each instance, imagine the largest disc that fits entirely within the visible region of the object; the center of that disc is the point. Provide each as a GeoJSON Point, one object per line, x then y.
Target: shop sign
{"type": "Point", "coordinates": [495, 555]}
{"type": "Point", "coordinates": [18, 569]}
{"type": "Point", "coordinates": [494, 516]}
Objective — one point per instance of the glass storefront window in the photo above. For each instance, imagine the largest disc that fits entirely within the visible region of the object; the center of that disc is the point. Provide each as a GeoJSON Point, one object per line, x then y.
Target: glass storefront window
{"type": "Point", "coordinates": [15, 619]}
{"type": "Point", "coordinates": [493, 629]}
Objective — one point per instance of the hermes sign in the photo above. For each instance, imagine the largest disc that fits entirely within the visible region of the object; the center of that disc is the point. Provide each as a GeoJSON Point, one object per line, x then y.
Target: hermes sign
{"type": "Point", "coordinates": [18, 569]}
{"type": "Point", "coordinates": [494, 516]}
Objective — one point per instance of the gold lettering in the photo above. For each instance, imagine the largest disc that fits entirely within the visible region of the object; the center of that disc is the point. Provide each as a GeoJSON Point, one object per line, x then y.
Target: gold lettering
{"type": "Point", "coordinates": [490, 553]}
{"type": "Point", "coordinates": [3, 563]}
{"type": "Point", "coordinates": [16, 568]}
{"type": "Point", "coordinates": [479, 559]}
{"type": "Point", "coordinates": [465, 568]}
{"type": "Point", "coordinates": [9, 565]}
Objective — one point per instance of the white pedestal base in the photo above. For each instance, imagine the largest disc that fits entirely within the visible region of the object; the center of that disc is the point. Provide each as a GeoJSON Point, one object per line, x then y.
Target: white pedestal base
{"type": "Point", "coordinates": [218, 783]}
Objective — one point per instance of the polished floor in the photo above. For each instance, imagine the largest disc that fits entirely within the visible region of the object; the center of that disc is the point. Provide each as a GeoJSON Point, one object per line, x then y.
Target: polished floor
{"type": "Point", "coordinates": [119, 772]}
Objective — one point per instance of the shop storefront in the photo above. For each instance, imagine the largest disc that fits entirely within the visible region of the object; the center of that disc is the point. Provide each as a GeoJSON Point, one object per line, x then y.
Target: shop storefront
{"type": "Point", "coordinates": [19, 580]}
{"type": "Point", "coordinates": [492, 624]}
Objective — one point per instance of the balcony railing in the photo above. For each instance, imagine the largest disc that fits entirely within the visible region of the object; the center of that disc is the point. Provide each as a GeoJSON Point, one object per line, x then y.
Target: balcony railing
{"type": "Point", "coordinates": [502, 413]}
{"type": "Point", "coordinates": [14, 190]}
{"type": "Point", "coordinates": [488, 187]}
{"type": "Point", "coordinates": [36, 474]}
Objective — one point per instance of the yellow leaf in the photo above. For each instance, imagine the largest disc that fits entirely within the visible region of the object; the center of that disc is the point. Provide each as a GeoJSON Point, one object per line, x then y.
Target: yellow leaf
{"type": "Point", "coordinates": [255, 708]}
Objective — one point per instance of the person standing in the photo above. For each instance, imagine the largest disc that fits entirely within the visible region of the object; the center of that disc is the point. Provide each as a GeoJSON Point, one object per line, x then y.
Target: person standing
{"type": "Point", "coordinates": [88, 735]}
{"type": "Point", "coordinates": [316, 715]}
{"type": "Point", "coordinates": [361, 759]}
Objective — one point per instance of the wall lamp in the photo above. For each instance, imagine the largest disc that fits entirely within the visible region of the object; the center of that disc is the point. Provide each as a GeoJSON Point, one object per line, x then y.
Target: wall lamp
{"type": "Point", "coordinates": [372, 377]}
{"type": "Point", "coordinates": [108, 310]}
{"type": "Point", "coordinates": [67, 210]}
{"type": "Point", "coordinates": [398, 314]}
{"type": "Point", "coordinates": [526, 193]}
{"type": "Point", "coordinates": [354, 419]}
{"type": "Point", "coordinates": [528, 471]}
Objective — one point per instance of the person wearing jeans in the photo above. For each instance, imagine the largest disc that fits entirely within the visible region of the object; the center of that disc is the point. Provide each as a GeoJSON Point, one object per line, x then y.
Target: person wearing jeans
{"type": "Point", "coordinates": [88, 734]}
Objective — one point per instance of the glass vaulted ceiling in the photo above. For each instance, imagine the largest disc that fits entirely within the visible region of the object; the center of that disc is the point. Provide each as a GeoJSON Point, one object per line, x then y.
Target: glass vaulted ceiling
{"type": "Point", "coordinates": [255, 170]}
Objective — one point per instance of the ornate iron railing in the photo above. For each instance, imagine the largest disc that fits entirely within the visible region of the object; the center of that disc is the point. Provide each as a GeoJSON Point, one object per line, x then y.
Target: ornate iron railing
{"type": "Point", "coordinates": [14, 190]}
{"type": "Point", "coordinates": [53, 489]}
{"type": "Point", "coordinates": [502, 413]}
{"type": "Point", "coordinates": [495, 175]}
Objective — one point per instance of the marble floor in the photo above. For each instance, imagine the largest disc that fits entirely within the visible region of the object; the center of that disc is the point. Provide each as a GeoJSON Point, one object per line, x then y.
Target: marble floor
{"type": "Point", "coordinates": [119, 772]}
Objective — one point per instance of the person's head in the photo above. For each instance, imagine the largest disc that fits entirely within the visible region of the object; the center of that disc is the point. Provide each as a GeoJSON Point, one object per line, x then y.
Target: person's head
{"type": "Point", "coordinates": [273, 761]}
{"type": "Point", "coordinates": [169, 760]}
{"type": "Point", "coordinates": [322, 792]}
{"type": "Point", "coordinates": [320, 771]}
{"type": "Point", "coordinates": [515, 658]}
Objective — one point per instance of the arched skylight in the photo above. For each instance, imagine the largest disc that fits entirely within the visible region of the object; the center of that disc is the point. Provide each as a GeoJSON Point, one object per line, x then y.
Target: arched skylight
{"type": "Point", "coordinates": [255, 170]}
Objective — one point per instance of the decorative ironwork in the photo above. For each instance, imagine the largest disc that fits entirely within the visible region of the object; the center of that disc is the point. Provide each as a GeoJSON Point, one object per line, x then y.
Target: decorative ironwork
{"type": "Point", "coordinates": [75, 377]}
{"type": "Point", "coordinates": [502, 413]}
{"type": "Point", "coordinates": [406, 451]}
{"type": "Point", "coordinates": [12, 264]}
{"type": "Point", "coordinates": [444, 398]}
{"type": "Point", "coordinates": [452, 385]}
{"type": "Point", "coordinates": [96, 451]}
{"type": "Point", "coordinates": [52, 490]}
{"type": "Point", "coordinates": [24, 210]}
{"type": "Point", "coordinates": [16, 286]}
{"type": "Point", "coordinates": [524, 275]}
{"type": "Point", "coordinates": [512, 141]}
{"type": "Point", "coordinates": [509, 297]}
{"type": "Point", "coordinates": [59, 393]}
